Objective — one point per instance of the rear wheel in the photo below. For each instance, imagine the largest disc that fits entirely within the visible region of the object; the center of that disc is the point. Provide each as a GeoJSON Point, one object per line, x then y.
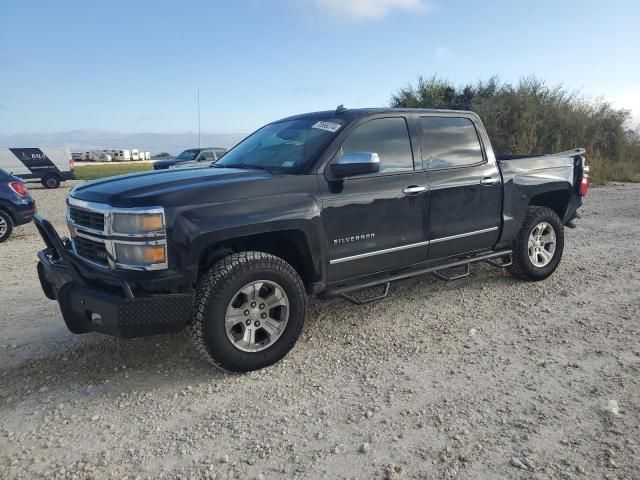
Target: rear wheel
{"type": "Point", "coordinates": [249, 311]}
{"type": "Point", "coordinates": [51, 181]}
{"type": "Point", "coordinates": [6, 225]}
{"type": "Point", "coordinates": [538, 246]}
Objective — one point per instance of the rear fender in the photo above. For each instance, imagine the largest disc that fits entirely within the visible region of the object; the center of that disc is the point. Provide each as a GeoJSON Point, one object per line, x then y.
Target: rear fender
{"type": "Point", "coordinates": [523, 185]}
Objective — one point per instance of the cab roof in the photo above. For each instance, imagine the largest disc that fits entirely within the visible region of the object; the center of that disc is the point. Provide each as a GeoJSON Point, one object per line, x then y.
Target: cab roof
{"type": "Point", "coordinates": [351, 114]}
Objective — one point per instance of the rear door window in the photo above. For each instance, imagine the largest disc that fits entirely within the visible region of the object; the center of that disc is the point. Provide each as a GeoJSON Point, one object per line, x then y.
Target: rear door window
{"type": "Point", "coordinates": [450, 142]}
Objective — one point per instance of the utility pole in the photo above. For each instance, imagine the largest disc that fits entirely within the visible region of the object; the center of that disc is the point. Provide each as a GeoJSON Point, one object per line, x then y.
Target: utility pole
{"type": "Point", "coordinates": [198, 118]}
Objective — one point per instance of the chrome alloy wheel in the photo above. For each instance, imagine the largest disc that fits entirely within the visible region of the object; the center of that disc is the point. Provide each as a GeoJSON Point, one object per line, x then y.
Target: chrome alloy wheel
{"type": "Point", "coordinates": [542, 244]}
{"type": "Point", "coordinates": [3, 227]}
{"type": "Point", "coordinates": [257, 316]}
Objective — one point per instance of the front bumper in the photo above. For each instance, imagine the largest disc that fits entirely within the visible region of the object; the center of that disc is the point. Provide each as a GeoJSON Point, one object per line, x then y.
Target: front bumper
{"type": "Point", "coordinates": [105, 302]}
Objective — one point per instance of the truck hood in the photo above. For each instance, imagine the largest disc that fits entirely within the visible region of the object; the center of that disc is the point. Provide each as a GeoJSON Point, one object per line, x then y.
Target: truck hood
{"type": "Point", "coordinates": [170, 187]}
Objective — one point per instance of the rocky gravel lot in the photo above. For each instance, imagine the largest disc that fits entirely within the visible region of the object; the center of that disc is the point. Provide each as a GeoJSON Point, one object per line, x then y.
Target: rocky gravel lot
{"type": "Point", "coordinates": [486, 377]}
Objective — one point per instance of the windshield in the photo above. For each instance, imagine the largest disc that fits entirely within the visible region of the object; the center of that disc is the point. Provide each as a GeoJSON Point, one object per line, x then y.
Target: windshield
{"type": "Point", "coordinates": [284, 146]}
{"type": "Point", "coordinates": [188, 154]}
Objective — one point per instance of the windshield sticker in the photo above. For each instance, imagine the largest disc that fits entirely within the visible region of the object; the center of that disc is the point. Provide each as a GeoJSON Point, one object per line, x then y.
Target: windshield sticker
{"type": "Point", "coordinates": [328, 126]}
{"type": "Point", "coordinates": [288, 163]}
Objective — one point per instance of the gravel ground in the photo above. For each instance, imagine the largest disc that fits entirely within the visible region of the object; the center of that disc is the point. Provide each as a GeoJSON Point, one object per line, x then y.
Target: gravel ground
{"type": "Point", "coordinates": [486, 377]}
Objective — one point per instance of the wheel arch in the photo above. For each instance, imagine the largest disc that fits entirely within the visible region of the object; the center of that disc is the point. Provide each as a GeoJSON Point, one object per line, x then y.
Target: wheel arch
{"type": "Point", "coordinates": [556, 200]}
{"type": "Point", "coordinates": [57, 175]}
{"type": "Point", "coordinates": [291, 245]}
{"type": "Point", "coordinates": [8, 210]}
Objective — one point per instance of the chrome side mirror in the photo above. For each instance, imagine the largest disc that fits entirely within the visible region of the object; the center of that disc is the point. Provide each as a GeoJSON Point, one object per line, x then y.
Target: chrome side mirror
{"type": "Point", "coordinates": [356, 163]}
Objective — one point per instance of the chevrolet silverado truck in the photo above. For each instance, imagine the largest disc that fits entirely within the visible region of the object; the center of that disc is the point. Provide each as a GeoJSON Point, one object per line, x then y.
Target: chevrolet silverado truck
{"type": "Point", "coordinates": [331, 204]}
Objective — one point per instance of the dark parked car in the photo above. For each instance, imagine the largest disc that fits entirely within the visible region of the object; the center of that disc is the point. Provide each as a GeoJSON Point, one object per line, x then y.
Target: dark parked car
{"type": "Point", "coordinates": [192, 158]}
{"type": "Point", "coordinates": [16, 205]}
{"type": "Point", "coordinates": [326, 204]}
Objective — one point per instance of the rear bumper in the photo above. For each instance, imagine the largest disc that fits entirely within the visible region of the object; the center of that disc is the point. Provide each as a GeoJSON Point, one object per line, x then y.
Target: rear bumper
{"type": "Point", "coordinates": [110, 308]}
{"type": "Point", "coordinates": [575, 202]}
{"type": "Point", "coordinates": [21, 209]}
{"type": "Point", "coordinates": [25, 213]}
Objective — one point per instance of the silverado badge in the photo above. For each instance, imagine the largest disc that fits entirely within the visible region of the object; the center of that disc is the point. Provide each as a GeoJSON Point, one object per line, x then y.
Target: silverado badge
{"type": "Point", "coordinates": [354, 238]}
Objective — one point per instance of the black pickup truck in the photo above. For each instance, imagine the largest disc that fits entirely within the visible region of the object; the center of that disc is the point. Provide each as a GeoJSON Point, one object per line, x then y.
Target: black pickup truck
{"type": "Point", "coordinates": [332, 204]}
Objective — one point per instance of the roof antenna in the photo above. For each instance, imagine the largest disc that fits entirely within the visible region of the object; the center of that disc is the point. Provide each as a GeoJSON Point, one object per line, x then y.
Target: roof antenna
{"type": "Point", "coordinates": [341, 108]}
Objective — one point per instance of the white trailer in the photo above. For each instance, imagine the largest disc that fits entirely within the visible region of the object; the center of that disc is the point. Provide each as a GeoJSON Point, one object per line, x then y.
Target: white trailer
{"type": "Point", "coordinates": [121, 155]}
{"type": "Point", "coordinates": [48, 165]}
{"type": "Point", "coordinates": [103, 157]}
{"type": "Point", "coordinates": [97, 156]}
{"type": "Point", "coordinates": [135, 154]}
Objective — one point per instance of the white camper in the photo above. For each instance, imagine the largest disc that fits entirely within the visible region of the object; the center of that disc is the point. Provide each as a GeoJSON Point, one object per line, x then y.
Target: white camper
{"type": "Point", "coordinates": [121, 155]}
{"type": "Point", "coordinates": [147, 155]}
{"type": "Point", "coordinates": [48, 165]}
{"type": "Point", "coordinates": [135, 155]}
{"type": "Point", "coordinates": [103, 157]}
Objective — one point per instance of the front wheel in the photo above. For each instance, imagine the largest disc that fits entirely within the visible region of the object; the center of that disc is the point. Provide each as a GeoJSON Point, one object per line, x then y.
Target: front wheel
{"type": "Point", "coordinates": [538, 246]}
{"type": "Point", "coordinates": [249, 311]}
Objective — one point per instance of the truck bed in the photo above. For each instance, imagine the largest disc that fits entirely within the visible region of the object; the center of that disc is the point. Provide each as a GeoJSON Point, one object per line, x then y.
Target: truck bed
{"type": "Point", "coordinates": [526, 177]}
{"type": "Point", "coordinates": [567, 153]}
{"type": "Point", "coordinates": [561, 166]}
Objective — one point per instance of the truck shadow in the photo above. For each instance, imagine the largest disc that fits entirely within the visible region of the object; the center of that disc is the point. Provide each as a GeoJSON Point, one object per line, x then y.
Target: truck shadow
{"type": "Point", "coordinates": [95, 364]}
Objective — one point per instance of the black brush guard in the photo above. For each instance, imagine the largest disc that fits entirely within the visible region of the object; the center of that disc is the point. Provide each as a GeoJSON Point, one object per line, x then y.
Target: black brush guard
{"type": "Point", "coordinates": [103, 301]}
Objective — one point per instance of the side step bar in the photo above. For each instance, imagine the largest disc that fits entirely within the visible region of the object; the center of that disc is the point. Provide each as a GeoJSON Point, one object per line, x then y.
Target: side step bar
{"type": "Point", "coordinates": [375, 298]}
{"type": "Point", "coordinates": [344, 292]}
{"type": "Point", "coordinates": [450, 278]}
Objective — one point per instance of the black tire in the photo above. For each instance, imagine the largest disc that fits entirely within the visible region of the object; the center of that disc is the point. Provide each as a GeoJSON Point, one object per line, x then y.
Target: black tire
{"type": "Point", "coordinates": [6, 222]}
{"type": "Point", "coordinates": [522, 266]}
{"type": "Point", "coordinates": [215, 290]}
{"type": "Point", "coordinates": [51, 181]}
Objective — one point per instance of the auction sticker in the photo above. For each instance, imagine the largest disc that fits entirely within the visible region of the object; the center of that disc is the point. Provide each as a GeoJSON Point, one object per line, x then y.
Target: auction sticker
{"type": "Point", "coordinates": [328, 126]}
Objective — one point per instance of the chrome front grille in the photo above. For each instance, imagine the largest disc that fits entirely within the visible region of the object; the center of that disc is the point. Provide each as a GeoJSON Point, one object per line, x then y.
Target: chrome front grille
{"type": "Point", "coordinates": [90, 249]}
{"type": "Point", "coordinates": [87, 218]}
{"type": "Point", "coordinates": [94, 239]}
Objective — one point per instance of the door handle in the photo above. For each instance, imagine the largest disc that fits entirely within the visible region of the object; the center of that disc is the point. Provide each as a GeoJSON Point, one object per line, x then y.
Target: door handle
{"type": "Point", "coordinates": [414, 190]}
{"type": "Point", "coordinates": [489, 181]}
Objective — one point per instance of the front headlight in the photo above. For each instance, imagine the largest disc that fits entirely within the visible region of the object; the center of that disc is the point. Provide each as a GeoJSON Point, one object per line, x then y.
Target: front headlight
{"type": "Point", "coordinates": [145, 247]}
{"type": "Point", "coordinates": [140, 255]}
{"type": "Point", "coordinates": [137, 223]}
